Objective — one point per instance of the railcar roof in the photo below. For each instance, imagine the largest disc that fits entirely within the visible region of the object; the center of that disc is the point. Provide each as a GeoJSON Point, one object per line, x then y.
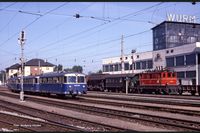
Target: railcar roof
{"type": "Point", "coordinates": [29, 77]}
{"type": "Point", "coordinates": [57, 74]}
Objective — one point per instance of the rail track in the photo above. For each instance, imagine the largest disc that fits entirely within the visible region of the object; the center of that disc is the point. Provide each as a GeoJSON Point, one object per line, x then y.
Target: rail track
{"type": "Point", "coordinates": [164, 121]}
{"type": "Point", "coordinates": [7, 126]}
{"type": "Point", "coordinates": [21, 122]}
{"type": "Point", "coordinates": [148, 99]}
{"type": "Point", "coordinates": [174, 122]}
{"type": "Point", "coordinates": [136, 105]}
{"type": "Point", "coordinates": [188, 97]}
{"type": "Point", "coordinates": [60, 120]}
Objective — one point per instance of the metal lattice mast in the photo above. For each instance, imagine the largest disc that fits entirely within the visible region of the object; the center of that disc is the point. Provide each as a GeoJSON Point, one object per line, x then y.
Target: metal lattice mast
{"type": "Point", "coordinates": [22, 42]}
{"type": "Point", "coordinates": [122, 54]}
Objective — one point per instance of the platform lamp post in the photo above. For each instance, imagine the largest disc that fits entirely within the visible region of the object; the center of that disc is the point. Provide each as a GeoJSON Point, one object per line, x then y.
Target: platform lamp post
{"type": "Point", "coordinates": [21, 41]}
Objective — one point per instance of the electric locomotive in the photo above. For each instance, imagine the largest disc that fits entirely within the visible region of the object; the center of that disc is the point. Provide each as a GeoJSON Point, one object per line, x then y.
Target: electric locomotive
{"type": "Point", "coordinates": [156, 82]}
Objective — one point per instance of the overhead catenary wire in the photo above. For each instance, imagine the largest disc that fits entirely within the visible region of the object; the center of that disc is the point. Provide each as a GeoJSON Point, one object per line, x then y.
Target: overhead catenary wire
{"type": "Point", "coordinates": [28, 25]}
{"type": "Point", "coordinates": [68, 37]}
{"type": "Point", "coordinates": [7, 6]}
{"type": "Point", "coordinates": [45, 33]}
{"type": "Point", "coordinates": [58, 25]}
{"type": "Point", "coordinates": [10, 20]}
{"type": "Point", "coordinates": [84, 60]}
{"type": "Point", "coordinates": [74, 35]}
{"type": "Point", "coordinates": [103, 43]}
{"type": "Point", "coordinates": [109, 51]}
{"type": "Point", "coordinates": [118, 19]}
{"type": "Point", "coordinates": [4, 27]}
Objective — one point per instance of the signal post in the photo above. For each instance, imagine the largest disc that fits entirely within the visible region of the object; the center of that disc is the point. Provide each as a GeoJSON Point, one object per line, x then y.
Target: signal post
{"type": "Point", "coordinates": [21, 41]}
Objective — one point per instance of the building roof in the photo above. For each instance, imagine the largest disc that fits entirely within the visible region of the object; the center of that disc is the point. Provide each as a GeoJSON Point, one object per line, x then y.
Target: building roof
{"type": "Point", "coordinates": [175, 23]}
{"type": "Point", "coordinates": [37, 62]}
{"type": "Point", "coordinates": [15, 66]}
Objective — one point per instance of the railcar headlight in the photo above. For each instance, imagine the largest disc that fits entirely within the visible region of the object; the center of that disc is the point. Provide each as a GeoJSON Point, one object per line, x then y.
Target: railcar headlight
{"type": "Point", "coordinates": [70, 86]}
{"type": "Point", "coordinates": [83, 86]}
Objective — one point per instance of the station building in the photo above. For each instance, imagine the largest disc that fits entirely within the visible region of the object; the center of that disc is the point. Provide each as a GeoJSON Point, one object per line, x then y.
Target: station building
{"type": "Point", "coordinates": [176, 46]}
{"type": "Point", "coordinates": [31, 67]}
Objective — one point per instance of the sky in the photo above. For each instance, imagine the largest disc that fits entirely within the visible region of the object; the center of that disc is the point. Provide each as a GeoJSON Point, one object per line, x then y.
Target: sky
{"type": "Point", "coordinates": [53, 33]}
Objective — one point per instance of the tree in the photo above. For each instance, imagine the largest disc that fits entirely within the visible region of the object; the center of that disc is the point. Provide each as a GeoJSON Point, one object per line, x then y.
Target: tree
{"type": "Point", "coordinates": [90, 72]}
{"type": "Point", "coordinates": [77, 69]}
{"type": "Point", "coordinates": [58, 68]}
{"type": "Point", "coordinates": [100, 72]}
{"type": "Point", "coordinates": [68, 70]}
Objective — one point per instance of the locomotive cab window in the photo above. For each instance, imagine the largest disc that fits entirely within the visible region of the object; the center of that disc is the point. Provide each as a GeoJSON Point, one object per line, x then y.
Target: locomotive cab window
{"type": "Point", "coordinates": [36, 80]}
{"type": "Point", "coordinates": [65, 79]}
{"type": "Point", "coordinates": [71, 79]}
{"type": "Point", "coordinates": [169, 75]}
{"type": "Point", "coordinates": [173, 74]}
{"type": "Point", "coordinates": [81, 79]}
{"type": "Point", "coordinates": [163, 75]}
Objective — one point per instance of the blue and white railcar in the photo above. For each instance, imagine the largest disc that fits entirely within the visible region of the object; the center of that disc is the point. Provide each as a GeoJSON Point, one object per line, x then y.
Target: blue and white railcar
{"type": "Point", "coordinates": [31, 84]}
{"type": "Point", "coordinates": [14, 84]}
{"type": "Point", "coordinates": [63, 84]}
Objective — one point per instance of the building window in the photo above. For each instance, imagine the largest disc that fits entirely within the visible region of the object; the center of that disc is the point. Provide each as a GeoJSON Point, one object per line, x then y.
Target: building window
{"type": "Point", "coordinates": [132, 66]}
{"type": "Point", "coordinates": [106, 68]}
{"type": "Point", "coordinates": [190, 74]}
{"type": "Point", "coordinates": [116, 67]}
{"type": "Point", "coordinates": [180, 75]}
{"type": "Point", "coordinates": [47, 68]}
{"type": "Point", "coordinates": [173, 39]}
{"type": "Point", "coordinates": [138, 65]}
{"type": "Point", "coordinates": [131, 57]}
{"type": "Point", "coordinates": [138, 56]}
{"type": "Point", "coordinates": [172, 51]}
{"type": "Point", "coordinates": [126, 66]}
{"type": "Point", "coordinates": [143, 64]}
{"type": "Point", "coordinates": [126, 58]}
{"type": "Point", "coordinates": [170, 61]}
{"type": "Point", "coordinates": [149, 64]}
{"type": "Point", "coordinates": [180, 61]}
{"type": "Point", "coordinates": [111, 68]}
{"type": "Point", "coordinates": [120, 67]}
{"type": "Point", "coordinates": [190, 59]}
{"type": "Point", "coordinates": [167, 51]}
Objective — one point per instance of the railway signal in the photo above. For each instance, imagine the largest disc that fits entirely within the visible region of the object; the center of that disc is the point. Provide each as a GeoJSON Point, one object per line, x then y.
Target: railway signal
{"type": "Point", "coordinates": [21, 41]}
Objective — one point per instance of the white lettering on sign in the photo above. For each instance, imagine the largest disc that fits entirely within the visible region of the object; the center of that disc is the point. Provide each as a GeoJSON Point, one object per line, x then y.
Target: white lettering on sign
{"type": "Point", "coordinates": [181, 18]}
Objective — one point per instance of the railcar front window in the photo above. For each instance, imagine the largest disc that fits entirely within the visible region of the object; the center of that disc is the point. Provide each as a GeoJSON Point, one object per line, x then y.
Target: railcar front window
{"type": "Point", "coordinates": [36, 80]}
{"type": "Point", "coordinates": [81, 79]}
{"type": "Point", "coordinates": [71, 79]}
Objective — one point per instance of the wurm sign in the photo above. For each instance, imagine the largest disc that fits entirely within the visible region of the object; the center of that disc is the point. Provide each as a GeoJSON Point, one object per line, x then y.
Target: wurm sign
{"type": "Point", "coordinates": [181, 18]}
